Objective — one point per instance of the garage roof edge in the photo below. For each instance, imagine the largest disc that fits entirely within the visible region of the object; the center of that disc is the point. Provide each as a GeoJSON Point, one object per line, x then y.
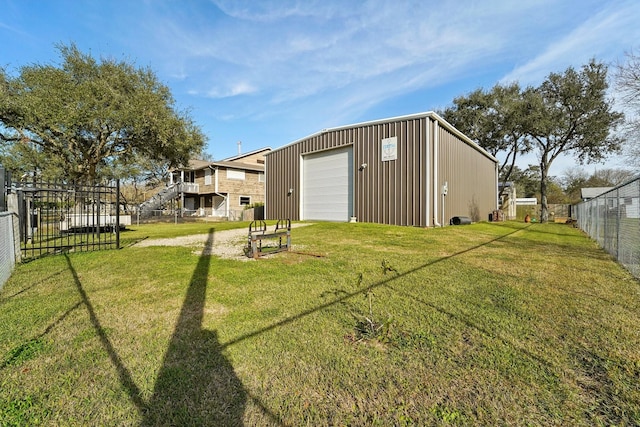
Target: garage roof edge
{"type": "Point", "coordinates": [430, 114]}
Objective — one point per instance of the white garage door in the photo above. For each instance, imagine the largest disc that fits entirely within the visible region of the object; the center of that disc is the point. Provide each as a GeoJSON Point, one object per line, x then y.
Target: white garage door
{"type": "Point", "coordinates": [327, 185]}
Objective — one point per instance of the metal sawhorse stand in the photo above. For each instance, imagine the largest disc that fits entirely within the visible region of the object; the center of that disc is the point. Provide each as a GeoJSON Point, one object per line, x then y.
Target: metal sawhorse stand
{"type": "Point", "coordinates": [258, 232]}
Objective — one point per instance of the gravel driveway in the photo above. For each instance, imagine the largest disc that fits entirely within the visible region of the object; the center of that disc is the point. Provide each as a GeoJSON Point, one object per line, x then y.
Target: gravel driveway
{"type": "Point", "coordinates": [228, 244]}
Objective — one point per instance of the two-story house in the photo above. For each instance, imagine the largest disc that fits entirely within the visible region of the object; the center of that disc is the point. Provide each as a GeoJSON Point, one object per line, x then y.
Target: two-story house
{"type": "Point", "coordinates": [221, 188]}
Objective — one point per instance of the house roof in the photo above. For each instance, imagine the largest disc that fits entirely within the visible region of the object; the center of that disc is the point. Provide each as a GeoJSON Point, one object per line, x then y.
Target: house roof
{"type": "Point", "coordinates": [243, 155]}
{"type": "Point", "coordinates": [203, 164]}
{"type": "Point", "coordinates": [195, 164]}
{"type": "Point", "coordinates": [591, 192]}
{"type": "Point", "coordinates": [239, 165]}
{"type": "Point", "coordinates": [234, 162]}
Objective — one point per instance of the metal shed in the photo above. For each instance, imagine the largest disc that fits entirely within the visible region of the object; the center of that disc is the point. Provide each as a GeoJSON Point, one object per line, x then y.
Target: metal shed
{"type": "Point", "coordinates": [415, 170]}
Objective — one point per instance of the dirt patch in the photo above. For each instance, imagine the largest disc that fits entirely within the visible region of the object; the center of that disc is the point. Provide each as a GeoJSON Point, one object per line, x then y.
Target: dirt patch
{"type": "Point", "coordinates": [227, 244]}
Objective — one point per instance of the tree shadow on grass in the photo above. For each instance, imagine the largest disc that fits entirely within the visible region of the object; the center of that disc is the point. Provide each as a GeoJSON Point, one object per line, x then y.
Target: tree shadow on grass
{"type": "Point", "coordinates": [123, 373]}
{"type": "Point", "coordinates": [196, 384]}
{"type": "Point", "coordinates": [5, 299]}
{"type": "Point", "coordinates": [342, 296]}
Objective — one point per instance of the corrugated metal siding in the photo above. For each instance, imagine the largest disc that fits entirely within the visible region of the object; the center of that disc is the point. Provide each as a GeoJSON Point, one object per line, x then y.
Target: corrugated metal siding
{"type": "Point", "coordinates": [471, 179]}
{"type": "Point", "coordinates": [398, 192]}
{"type": "Point", "coordinates": [391, 192]}
{"type": "Point", "coordinates": [282, 173]}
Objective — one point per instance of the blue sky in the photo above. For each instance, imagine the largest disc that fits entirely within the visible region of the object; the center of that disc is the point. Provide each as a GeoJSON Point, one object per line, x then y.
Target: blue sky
{"type": "Point", "coordinates": [270, 72]}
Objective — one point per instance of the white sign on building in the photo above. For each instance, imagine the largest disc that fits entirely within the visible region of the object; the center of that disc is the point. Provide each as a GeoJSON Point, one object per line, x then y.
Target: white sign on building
{"type": "Point", "coordinates": [389, 148]}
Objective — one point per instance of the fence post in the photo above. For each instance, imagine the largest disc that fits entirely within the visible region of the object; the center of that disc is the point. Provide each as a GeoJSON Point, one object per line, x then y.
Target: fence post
{"type": "Point", "coordinates": [618, 218]}
{"type": "Point", "coordinates": [622, 238]}
{"type": "Point", "coordinates": [117, 214]}
{"type": "Point", "coordinates": [3, 189]}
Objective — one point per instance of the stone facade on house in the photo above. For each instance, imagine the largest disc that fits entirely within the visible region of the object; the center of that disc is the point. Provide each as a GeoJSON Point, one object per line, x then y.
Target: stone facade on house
{"type": "Point", "coordinates": [222, 188]}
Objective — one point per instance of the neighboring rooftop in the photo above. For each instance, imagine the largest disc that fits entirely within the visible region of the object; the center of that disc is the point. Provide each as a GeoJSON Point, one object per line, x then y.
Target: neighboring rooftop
{"type": "Point", "coordinates": [249, 161]}
{"type": "Point", "coordinates": [591, 192]}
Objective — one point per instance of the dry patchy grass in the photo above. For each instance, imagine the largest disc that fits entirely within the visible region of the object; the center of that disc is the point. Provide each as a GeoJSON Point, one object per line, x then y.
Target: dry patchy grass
{"type": "Point", "coordinates": [488, 324]}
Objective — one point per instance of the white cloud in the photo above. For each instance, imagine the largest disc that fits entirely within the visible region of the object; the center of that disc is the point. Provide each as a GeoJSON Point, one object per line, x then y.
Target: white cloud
{"type": "Point", "coordinates": [598, 37]}
{"type": "Point", "coordinates": [240, 88]}
{"type": "Point", "coordinates": [337, 59]}
{"type": "Point", "coordinates": [277, 10]}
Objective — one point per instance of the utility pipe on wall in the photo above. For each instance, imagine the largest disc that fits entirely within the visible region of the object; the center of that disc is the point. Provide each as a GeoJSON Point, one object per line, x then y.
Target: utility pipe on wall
{"type": "Point", "coordinates": [445, 190]}
{"type": "Point", "coordinates": [427, 173]}
{"type": "Point", "coordinates": [435, 174]}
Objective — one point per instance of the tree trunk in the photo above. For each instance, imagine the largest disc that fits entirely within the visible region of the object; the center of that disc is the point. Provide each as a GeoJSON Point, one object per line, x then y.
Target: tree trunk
{"type": "Point", "coordinates": [544, 208]}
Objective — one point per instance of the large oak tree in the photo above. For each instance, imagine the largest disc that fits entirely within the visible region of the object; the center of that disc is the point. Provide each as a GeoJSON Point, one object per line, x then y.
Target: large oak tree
{"type": "Point", "coordinates": [568, 114]}
{"type": "Point", "coordinates": [628, 84]}
{"type": "Point", "coordinates": [83, 118]}
{"type": "Point", "coordinates": [496, 120]}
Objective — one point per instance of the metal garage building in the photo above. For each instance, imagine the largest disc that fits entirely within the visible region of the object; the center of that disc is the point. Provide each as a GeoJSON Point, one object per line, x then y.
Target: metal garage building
{"type": "Point", "coordinates": [391, 171]}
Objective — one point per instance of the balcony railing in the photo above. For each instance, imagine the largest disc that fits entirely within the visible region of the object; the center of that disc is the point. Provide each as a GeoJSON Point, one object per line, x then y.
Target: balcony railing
{"type": "Point", "coordinates": [190, 187]}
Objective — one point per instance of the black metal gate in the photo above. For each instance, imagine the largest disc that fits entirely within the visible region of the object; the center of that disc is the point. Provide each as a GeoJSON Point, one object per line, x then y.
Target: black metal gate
{"type": "Point", "coordinates": [57, 217]}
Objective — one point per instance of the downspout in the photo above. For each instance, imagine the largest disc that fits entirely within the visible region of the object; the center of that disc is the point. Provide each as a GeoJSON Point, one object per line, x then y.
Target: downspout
{"type": "Point", "coordinates": [444, 195]}
{"type": "Point", "coordinates": [427, 172]}
{"type": "Point", "coordinates": [435, 174]}
{"type": "Point", "coordinates": [498, 189]}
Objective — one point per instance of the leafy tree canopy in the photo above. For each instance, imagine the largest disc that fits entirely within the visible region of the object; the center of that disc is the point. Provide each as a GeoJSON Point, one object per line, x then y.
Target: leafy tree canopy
{"type": "Point", "coordinates": [571, 115]}
{"type": "Point", "coordinates": [88, 119]}
{"type": "Point", "coordinates": [496, 120]}
{"type": "Point", "coordinates": [628, 83]}
{"type": "Point", "coordinates": [567, 114]}
{"type": "Point", "coordinates": [574, 179]}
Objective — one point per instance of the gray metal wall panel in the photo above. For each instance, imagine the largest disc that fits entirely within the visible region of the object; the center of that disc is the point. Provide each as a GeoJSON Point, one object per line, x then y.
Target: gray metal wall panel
{"type": "Point", "coordinates": [7, 245]}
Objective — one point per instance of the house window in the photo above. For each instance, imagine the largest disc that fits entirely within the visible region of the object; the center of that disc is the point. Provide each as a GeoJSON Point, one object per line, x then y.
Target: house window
{"type": "Point", "coordinates": [260, 176]}
{"type": "Point", "coordinates": [207, 177]}
{"type": "Point", "coordinates": [190, 176]}
{"type": "Point", "coordinates": [235, 174]}
{"type": "Point", "coordinates": [245, 200]}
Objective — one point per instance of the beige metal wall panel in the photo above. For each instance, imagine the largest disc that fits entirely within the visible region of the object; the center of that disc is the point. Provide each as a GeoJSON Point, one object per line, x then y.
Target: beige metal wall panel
{"type": "Point", "coordinates": [391, 192]}
{"type": "Point", "coordinates": [404, 191]}
{"type": "Point", "coordinates": [470, 177]}
{"type": "Point", "coordinates": [282, 173]}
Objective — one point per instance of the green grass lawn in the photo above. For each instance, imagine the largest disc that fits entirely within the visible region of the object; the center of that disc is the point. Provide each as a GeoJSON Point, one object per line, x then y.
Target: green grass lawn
{"type": "Point", "coordinates": [487, 324]}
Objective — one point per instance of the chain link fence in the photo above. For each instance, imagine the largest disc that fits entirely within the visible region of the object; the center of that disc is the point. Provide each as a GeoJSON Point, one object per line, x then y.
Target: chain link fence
{"type": "Point", "coordinates": [613, 220]}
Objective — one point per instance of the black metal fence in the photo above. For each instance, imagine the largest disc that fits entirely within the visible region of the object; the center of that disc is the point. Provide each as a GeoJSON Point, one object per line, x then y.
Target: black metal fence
{"type": "Point", "coordinates": [58, 217]}
{"type": "Point", "coordinates": [613, 220]}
